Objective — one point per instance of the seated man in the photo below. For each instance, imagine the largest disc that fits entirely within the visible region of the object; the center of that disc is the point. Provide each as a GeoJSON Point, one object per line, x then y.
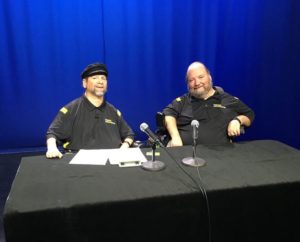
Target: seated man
{"type": "Point", "coordinates": [89, 122]}
{"type": "Point", "coordinates": [220, 115]}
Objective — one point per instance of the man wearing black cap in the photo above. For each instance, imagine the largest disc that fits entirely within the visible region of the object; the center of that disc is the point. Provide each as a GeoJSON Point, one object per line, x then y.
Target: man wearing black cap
{"type": "Point", "coordinates": [89, 122]}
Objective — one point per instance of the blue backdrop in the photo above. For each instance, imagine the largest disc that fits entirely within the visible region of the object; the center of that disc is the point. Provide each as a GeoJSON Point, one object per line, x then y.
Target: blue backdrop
{"type": "Point", "coordinates": [251, 47]}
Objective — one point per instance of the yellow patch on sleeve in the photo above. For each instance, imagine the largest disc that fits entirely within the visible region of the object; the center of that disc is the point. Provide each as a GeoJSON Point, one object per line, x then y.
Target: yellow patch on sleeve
{"type": "Point", "coordinates": [119, 113]}
{"type": "Point", "coordinates": [178, 99]}
{"type": "Point", "coordinates": [63, 110]}
{"type": "Point", "coordinates": [65, 145]}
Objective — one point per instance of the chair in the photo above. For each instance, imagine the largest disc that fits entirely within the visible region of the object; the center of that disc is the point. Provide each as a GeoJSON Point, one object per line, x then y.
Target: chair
{"type": "Point", "coordinates": [161, 130]}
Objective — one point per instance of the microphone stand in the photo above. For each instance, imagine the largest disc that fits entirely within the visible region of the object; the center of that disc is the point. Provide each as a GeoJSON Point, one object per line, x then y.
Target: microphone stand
{"type": "Point", "coordinates": [153, 165]}
{"type": "Point", "coordinates": [194, 161]}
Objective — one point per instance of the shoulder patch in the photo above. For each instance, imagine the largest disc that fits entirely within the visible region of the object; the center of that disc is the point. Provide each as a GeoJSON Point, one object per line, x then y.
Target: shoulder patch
{"type": "Point", "coordinates": [65, 145]}
{"type": "Point", "coordinates": [64, 110]}
{"type": "Point", "coordinates": [119, 113]}
{"type": "Point", "coordinates": [178, 99]}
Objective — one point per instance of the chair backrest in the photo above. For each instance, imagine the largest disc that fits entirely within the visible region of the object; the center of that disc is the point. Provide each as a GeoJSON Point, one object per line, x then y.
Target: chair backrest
{"type": "Point", "coordinates": [161, 130]}
{"type": "Point", "coordinates": [160, 121]}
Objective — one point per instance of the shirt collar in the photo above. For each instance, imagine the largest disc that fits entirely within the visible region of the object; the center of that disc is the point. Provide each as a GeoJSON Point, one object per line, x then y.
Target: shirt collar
{"type": "Point", "coordinates": [90, 106]}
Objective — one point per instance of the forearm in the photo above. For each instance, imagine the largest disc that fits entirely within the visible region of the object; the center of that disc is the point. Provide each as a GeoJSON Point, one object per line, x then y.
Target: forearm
{"type": "Point", "coordinates": [171, 126]}
{"type": "Point", "coordinates": [245, 121]}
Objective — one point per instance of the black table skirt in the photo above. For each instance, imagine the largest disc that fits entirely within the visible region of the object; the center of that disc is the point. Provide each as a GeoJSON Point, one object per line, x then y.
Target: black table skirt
{"type": "Point", "coordinates": [253, 192]}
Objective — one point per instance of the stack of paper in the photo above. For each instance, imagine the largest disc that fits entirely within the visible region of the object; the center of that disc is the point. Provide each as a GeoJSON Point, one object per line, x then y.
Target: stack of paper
{"type": "Point", "coordinates": [121, 157]}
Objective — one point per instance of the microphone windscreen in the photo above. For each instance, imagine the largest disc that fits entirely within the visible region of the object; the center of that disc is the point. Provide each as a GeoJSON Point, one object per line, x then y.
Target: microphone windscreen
{"type": "Point", "coordinates": [195, 123]}
{"type": "Point", "coordinates": [143, 127]}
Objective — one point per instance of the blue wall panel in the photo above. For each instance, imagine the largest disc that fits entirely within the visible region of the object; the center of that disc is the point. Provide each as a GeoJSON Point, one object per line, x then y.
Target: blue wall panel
{"type": "Point", "coordinates": [251, 47]}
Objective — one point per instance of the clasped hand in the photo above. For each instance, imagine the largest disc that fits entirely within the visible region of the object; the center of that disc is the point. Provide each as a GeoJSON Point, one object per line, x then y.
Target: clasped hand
{"type": "Point", "coordinates": [234, 128]}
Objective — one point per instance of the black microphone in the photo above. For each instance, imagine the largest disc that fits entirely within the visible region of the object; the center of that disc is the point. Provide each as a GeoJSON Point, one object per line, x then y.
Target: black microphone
{"type": "Point", "coordinates": [145, 128]}
{"type": "Point", "coordinates": [195, 125]}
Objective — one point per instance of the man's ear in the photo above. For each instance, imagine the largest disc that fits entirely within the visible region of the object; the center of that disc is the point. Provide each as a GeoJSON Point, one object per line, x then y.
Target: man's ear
{"type": "Point", "coordinates": [84, 83]}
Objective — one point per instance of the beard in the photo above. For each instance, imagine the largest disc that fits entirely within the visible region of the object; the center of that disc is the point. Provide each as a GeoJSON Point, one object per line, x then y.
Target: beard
{"type": "Point", "coordinates": [200, 93]}
{"type": "Point", "coordinates": [99, 93]}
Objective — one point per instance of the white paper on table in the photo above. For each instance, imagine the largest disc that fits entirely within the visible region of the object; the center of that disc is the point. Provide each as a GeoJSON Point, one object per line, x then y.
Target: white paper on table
{"type": "Point", "coordinates": [122, 156]}
{"type": "Point", "coordinates": [91, 157]}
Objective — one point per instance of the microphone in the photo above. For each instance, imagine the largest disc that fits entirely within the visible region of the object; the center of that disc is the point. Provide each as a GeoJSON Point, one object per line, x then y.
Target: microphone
{"type": "Point", "coordinates": [145, 128]}
{"type": "Point", "coordinates": [195, 125]}
{"type": "Point", "coordinates": [194, 160]}
{"type": "Point", "coordinates": [153, 165]}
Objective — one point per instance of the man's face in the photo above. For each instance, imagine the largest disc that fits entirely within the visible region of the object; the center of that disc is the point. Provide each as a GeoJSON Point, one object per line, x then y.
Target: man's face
{"type": "Point", "coordinates": [199, 81]}
{"type": "Point", "coordinates": [95, 85]}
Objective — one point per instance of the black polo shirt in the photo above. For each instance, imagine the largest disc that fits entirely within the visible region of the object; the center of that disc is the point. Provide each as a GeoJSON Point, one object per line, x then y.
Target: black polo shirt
{"type": "Point", "coordinates": [213, 114]}
{"type": "Point", "coordinates": [81, 125]}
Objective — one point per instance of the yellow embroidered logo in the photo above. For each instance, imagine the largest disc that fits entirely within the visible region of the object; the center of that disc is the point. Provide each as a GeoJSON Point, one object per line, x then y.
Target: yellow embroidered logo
{"type": "Point", "coordinates": [219, 106]}
{"type": "Point", "coordinates": [64, 110]}
{"type": "Point", "coordinates": [178, 99]}
{"type": "Point", "coordinates": [109, 121]}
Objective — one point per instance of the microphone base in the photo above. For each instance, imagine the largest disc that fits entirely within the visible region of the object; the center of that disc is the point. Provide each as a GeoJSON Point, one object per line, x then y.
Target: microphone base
{"type": "Point", "coordinates": [195, 162]}
{"type": "Point", "coordinates": [153, 165]}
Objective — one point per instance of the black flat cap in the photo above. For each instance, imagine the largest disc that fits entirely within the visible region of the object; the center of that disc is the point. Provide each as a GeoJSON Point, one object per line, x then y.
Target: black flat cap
{"type": "Point", "coordinates": [94, 69]}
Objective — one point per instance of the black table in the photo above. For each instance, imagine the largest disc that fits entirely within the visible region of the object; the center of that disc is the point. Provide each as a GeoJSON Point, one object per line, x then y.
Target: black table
{"type": "Point", "coordinates": [253, 191]}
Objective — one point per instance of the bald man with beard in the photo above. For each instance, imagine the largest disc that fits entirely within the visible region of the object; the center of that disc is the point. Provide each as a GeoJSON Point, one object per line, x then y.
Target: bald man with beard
{"type": "Point", "coordinates": [219, 114]}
